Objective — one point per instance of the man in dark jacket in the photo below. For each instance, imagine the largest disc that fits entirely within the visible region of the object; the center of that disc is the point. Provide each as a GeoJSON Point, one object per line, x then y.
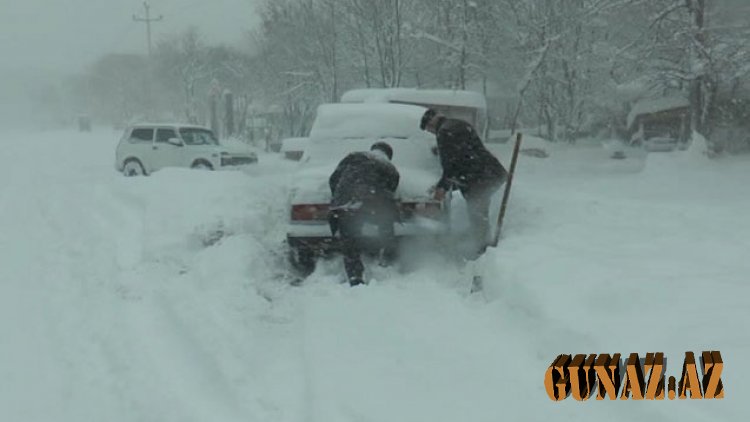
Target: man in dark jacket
{"type": "Point", "coordinates": [469, 167]}
{"type": "Point", "coordinates": [362, 191]}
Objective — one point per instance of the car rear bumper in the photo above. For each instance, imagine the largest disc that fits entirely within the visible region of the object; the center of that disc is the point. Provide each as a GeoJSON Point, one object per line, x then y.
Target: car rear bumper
{"type": "Point", "coordinates": [411, 227]}
{"type": "Point", "coordinates": [317, 237]}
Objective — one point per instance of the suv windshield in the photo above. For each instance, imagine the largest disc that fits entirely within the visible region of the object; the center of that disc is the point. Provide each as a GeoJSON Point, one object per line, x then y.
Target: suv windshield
{"type": "Point", "coordinates": [194, 136]}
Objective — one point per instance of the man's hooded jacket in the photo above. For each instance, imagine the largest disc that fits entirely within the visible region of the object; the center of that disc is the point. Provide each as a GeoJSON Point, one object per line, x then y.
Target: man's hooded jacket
{"type": "Point", "coordinates": [466, 162]}
{"type": "Point", "coordinates": [364, 183]}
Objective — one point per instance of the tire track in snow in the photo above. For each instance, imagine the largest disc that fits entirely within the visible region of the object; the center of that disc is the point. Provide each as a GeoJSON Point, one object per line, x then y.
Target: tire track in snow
{"type": "Point", "coordinates": [96, 271]}
{"type": "Point", "coordinates": [182, 326]}
{"type": "Point", "coordinates": [183, 363]}
{"type": "Point", "coordinates": [120, 217]}
{"type": "Point", "coordinates": [66, 271]}
{"type": "Point", "coordinates": [114, 332]}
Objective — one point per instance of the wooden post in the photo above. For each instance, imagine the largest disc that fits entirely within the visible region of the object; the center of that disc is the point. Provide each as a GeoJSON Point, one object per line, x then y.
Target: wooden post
{"type": "Point", "coordinates": [213, 115]}
{"type": "Point", "coordinates": [506, 194]}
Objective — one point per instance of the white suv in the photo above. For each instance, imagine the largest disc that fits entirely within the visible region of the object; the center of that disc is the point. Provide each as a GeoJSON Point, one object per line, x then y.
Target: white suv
{"type": "Point", "coordinates": [144, 149]}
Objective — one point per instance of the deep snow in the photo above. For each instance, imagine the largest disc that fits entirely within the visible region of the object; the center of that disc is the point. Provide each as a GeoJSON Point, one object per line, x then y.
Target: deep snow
{"type": "Point", "coordinates": [158, 298]}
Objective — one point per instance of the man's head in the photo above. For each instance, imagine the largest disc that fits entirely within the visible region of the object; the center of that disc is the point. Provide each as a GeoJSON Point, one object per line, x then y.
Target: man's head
{"type": "Point", "coordinates": [384, 148]}
{"type": "Point", "coordinates": [430, 120]}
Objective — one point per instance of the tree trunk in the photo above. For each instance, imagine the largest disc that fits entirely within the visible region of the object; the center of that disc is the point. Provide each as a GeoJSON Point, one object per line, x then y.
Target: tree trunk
{"type": "Point", "coordinates": [399, 54]}
{"type": "Point", "coordinates": [228, 114]}
{"type": "Point", "coordinates": [701, 87]}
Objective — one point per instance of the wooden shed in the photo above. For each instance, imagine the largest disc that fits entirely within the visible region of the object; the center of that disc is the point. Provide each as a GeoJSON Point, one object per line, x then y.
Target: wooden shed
{"type": "Point", "coordinates": [667, 117]}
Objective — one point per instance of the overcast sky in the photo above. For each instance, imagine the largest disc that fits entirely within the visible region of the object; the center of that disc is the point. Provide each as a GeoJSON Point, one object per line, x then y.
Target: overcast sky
{"type": "Point", "coordinates": [66, 35]}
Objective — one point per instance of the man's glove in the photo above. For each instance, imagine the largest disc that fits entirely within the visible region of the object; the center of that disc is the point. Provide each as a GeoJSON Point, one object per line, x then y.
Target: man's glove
{"type": "Point", "coordinates": [436, 193]}
{"type": "Point", "coordinates": [333, 222]}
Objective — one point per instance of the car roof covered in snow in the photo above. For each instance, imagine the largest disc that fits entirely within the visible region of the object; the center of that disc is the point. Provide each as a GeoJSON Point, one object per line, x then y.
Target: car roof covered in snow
{"type": "Point", "coordinates": [340, 129]}
{"type": "Point", "coordinates": [422, 96]}
{"type": "Point", "coordinates": [378, 120]}
{"type": "Point", "coordinates": [655, 105]}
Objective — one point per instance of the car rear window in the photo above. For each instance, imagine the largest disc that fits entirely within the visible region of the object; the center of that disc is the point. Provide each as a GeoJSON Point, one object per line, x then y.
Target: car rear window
{"type": "Point", "coordinates": [141, 135]}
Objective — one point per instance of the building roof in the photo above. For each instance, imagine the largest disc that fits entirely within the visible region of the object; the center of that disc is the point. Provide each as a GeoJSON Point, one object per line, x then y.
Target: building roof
{"type": "Point", "coordinates": [655, 105]}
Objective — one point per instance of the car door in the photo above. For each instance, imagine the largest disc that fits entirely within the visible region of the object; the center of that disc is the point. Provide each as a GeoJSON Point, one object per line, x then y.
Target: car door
{"type": "Point", "coordinates": [164, 153]}
{"type": "Point", "coordinates": [139, 146]}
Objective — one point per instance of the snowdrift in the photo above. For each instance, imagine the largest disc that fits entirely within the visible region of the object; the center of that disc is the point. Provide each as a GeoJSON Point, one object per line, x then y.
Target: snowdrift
{"type": "Point", "coordinates": [160, 298]}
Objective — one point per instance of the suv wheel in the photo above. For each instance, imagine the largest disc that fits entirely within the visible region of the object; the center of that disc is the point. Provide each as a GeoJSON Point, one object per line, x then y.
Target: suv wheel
{"type": "Point", "coordinates": [202, 165]}
{"type": "Point", "coordinates": [133, 167]}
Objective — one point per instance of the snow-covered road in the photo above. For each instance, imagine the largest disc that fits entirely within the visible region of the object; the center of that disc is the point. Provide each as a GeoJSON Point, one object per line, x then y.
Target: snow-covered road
{"type": "Point", "coordinates": [116, 305]}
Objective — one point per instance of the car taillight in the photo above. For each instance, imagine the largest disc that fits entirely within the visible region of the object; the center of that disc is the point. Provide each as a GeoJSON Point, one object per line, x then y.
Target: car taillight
{"type": "Point", "coordinates": [431, 210]}
{"type": "Point", "coordinates": [309, 212]}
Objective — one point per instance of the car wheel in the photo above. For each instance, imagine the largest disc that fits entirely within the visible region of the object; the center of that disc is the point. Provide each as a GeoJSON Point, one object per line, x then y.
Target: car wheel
{"type": "Point", "coordinates": [302, 260]}
{"type": "Point", "coordinates": [202, 165]}
{"type": "Point", "coordinates": [133, 167]}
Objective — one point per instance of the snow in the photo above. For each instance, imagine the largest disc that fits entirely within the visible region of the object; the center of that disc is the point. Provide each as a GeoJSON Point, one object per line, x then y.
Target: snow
{"type": "Point", "coordinates": [238, 146]}
{"type": "Point", "coordinates": [422, 96]}
{"type": "Point", "coordinates": [654, 105]}
{"type": "Point", "coordinates": [121, 301]}
{"type": "Point", "coordinates": [340, 129]}
{"type": "Point", "coordinates": [532, 142]}
{"type": "Point", "coordinates": [294, 144]}
{"type": "Point", "coordinates": [634, 89]}
{"type": "Point", "coordinates": [341, 121]}
{"type": "Point", "coordinates": [697, 149]}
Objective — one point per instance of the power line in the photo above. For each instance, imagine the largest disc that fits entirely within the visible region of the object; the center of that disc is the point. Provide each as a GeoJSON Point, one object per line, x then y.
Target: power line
{"type": "Point", "coordinates": [147, 19]}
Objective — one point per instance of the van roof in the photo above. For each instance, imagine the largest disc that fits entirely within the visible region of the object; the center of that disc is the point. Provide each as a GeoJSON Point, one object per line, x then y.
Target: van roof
{"type": "Point", "coordinates": [167, 125]}
{"type": "Point", "coordinates": [448, 97]}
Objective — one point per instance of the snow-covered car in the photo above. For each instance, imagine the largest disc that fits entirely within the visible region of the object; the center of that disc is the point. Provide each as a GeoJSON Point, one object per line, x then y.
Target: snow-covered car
{"type": "Point", "coordinates": [146, 148]}
{"type": "Point", "coordinates": [340, 129]}
{"type": "Point", "coordinates": [293, 148]}
{"type": "Point", "coordinates": [468, 106]}
{"type": "Point", "coordinates": [660, 144]}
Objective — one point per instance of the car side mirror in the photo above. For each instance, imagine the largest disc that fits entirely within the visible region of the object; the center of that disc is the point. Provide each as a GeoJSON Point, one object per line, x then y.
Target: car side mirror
{"type": "Point", "coordinates": [175, 141]}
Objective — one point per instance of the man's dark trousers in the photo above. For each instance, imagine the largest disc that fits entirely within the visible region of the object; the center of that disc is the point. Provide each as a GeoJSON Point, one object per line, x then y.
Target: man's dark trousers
{"type": "Point", "coordinates": [350, 224]}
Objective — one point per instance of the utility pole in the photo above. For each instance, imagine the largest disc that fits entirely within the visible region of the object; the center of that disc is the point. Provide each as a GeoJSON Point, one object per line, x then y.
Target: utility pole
{"type": "Point", "coordinates": [149, 77]}
{"type": "Point", "coordinates": [148, 19]}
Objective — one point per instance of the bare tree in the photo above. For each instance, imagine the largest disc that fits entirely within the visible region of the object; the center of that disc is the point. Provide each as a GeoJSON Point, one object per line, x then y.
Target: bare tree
{"type": "Point", "coordinates": [184, 57]}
